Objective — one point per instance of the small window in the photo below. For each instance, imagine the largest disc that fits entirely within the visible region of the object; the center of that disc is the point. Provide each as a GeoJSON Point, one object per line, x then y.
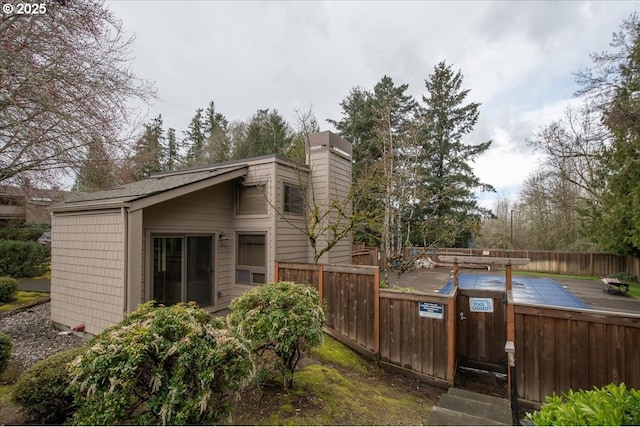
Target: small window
{"type": "Point", "coordinates": [251, 261]}
{"type": "Point", "coordinates": [293, 199]}
{"type": "Point", "coordinates": [251, 200]}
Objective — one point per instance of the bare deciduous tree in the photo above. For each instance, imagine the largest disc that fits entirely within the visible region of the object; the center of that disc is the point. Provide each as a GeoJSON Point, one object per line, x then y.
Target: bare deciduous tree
{"type": "Point", "coordinates": [64, 77]}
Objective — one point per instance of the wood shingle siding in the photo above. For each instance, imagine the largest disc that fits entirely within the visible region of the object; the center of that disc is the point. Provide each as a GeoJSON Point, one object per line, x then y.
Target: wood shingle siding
{"type": "Point", "coordinates": [87, 281]}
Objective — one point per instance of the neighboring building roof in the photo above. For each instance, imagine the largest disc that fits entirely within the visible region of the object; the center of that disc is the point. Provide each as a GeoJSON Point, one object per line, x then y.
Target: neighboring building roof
{"type": "Point", "coordinates": [156, 184]}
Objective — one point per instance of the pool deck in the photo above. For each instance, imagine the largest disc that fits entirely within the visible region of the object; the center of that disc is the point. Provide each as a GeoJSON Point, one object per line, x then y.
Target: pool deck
{"type": "Point", "coordinates": [589, 291]}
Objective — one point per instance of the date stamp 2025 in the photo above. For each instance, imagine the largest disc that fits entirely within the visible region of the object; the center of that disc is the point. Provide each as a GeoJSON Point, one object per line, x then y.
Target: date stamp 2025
{"type": "Point", "coordinates": [22, 8]}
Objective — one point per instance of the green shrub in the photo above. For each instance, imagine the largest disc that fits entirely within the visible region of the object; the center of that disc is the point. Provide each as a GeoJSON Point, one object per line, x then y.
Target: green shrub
{"type": "Point", "coordinates": [285, 318]}
{"type": "Point", "coordinates": [161, 365]}
{"type": "Point", "coordinates": [8, 289]}
{"type": "Point", "coordinates": [612, 405]}
{"type": "Point", "coordinates": [23, 232]}
{"type": "Point", "coordinates": [22, 259]}
{"type": "Point", "coordinates": [5, 351]}
{"type": "Point", "coordinates": [43, 390]}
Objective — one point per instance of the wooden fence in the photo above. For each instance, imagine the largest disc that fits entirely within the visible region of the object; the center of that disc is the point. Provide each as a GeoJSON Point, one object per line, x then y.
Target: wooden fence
{"type": "Point", "coordinates": [558, 349]}
{"type": "Point", "coordinates": [596, 264]}
{"type": "Point", "coordinates": [415, 344]}
{"type": "Point", "coordinates": [385, 325]}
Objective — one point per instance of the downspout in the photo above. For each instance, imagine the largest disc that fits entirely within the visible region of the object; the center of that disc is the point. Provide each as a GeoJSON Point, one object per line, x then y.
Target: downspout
{"type": "Point", "coordinates": [125, 269]}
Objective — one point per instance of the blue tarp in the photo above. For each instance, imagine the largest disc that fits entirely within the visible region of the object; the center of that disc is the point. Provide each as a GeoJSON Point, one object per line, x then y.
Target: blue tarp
{"type": "Point", "coordinates": [529, 290]}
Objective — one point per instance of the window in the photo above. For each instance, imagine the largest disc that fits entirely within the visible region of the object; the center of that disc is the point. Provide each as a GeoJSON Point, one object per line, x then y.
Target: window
{"type": "Point", "coordinates": [293, 199]}
{"type": "Point", "coordinates": [183, 269]}
{"type": "Point", "coordinates": [251, 200]}
{"type": "Point", "coordinates": [251, 260]}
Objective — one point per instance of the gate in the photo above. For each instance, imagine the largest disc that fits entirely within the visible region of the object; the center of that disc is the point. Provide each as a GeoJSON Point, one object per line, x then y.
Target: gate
{"type": "Point", "coordinates": [482, 329]}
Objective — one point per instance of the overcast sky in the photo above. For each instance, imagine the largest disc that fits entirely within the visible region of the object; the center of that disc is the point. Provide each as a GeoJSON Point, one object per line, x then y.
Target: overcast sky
{"type": "Point", "coordinates": [517, 58]}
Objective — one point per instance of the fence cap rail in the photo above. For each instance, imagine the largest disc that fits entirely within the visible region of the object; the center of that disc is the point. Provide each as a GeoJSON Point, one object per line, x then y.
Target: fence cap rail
{"type": "Point", "coordinates": [483, 260]}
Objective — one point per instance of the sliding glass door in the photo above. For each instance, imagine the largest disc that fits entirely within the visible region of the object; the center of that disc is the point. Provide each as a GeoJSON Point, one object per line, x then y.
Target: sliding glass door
{"type": "Point", "coordinates": [183, 269]}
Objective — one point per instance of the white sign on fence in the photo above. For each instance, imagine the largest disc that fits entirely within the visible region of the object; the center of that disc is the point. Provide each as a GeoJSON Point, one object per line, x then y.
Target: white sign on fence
{"type": "Point", "coordinates": [431, 310]}
{"type": "Point", "coordinates": [481, 305]}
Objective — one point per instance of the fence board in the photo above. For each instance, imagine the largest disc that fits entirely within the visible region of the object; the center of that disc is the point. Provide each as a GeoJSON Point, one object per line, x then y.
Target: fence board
{"type": "Point", "coordinates": [559, 349]}
{"type": "Point", "coordinates": [579, 263]}
{"type": "Point", "coordinates": [579, 348]}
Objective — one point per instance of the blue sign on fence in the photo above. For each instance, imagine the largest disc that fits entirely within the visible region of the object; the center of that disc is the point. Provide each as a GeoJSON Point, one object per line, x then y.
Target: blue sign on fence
{"type": "Point", "coordinates": [431, 310]}
{"type": "Point", "coordinates": [481, 305]}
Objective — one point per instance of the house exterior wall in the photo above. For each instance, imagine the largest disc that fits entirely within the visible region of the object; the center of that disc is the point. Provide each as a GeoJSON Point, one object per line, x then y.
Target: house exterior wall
{"type": "Point", "coordinates": [330, 158]}
{"type": "Point", "coordinates": [87, 260]}
{"type": "Point", "coordinates": [102, 259]}
{"type": "Point", "coordinates": [208, 211]}
{"type": "Point", "coordinates": [259, 173]}
{"type": "Point", "coordinates": [292, 244]}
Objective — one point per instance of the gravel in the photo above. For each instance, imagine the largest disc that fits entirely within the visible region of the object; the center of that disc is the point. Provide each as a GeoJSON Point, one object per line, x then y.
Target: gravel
{"type": "Point", "coordinates": [33, 336]}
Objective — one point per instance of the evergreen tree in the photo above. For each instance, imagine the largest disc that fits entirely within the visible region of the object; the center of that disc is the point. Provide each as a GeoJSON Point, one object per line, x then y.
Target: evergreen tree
{"type": "Point", "coordinates": [172, 151]}
{"type": "Point", "coordinates": [447, 178]}
{"type": "Point", "coordinates": [378, 124]}
{"type": "Point", "coordinates": [267, 133]}
{"type": "Point", "coordinates": [216, 136]}
{"type": "Point", "coordinates": [148, 151]}
{"type": "Point", "coordinates": [195, 140]}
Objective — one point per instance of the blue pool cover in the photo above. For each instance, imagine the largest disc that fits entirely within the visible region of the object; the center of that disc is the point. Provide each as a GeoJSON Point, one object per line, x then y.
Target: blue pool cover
{"type": "Point", "coordinates": [529, 290]}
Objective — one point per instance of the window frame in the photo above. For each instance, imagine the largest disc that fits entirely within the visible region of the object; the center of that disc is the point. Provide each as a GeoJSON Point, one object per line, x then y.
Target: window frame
{"type": "Point", "coordinates": [238, 197]}
{"type": "Point", "coordinates": [184, 284]}
{"type": "Point", "coordinates": [251, 269]}
{"type": "Point", "coordinates": [286, 207]}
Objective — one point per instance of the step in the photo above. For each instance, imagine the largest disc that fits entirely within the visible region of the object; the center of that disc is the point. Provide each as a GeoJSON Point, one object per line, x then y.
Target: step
{"type": "Point", "coordinates": [499, 413]}
{"type": "Point", "coordinates": [446, 417]}
{"type": "Point", "coordinates": [493, 400]}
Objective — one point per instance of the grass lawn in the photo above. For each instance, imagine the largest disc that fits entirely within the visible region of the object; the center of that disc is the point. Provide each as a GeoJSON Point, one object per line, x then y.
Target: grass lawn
{"type": "Point", "coordinates": [24, 298]}
{"type": "Point", "coordinates": [336, 386]}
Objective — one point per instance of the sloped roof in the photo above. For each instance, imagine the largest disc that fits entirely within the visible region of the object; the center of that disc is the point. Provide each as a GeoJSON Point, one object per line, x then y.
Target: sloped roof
{"type": "Point", "coordinates": [156, 184]}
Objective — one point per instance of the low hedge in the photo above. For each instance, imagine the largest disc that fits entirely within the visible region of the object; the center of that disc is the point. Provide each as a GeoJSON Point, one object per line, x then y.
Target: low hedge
{"type": "Point", "coordinates": [43, 390]}
{"type": "Point", "coordinates": [8, 289]}
{"type": "Point", "coordinates": [26, 232]}
{"type": "Point", "coordinates": [5, 351]}
{"type": "Point", "coordinates": [22, 259]}
{"type": "Point", "coordinates": [612, 405]}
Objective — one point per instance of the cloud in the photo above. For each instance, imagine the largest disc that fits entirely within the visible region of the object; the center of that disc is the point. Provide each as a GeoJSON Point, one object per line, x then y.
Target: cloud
{"type": "Point", "coordinates": [517, 58]}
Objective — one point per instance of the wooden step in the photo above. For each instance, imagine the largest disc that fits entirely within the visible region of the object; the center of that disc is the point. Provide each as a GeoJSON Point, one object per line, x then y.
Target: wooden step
{"type": "Point", "coordinates": [499, 413]}
{"type": "Point", "coordinates": [440, 416]}
{"type": "Point", "coordinates": [493, 400]}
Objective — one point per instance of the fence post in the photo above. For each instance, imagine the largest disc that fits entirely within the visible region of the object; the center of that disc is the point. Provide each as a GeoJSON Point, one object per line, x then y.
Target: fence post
{"type": "Point", "coordinates": [590, 263]}
{"type": "Point", "coordinates": [276, 273]}
{"type": "Point", "coordinates": [376, 312]}
{"type": "Point", "coordinates": [510, 345]}
{"type": "Point", "coordinates": [321, 282]}
{"type": "Point", "coordinates": [451, 337]}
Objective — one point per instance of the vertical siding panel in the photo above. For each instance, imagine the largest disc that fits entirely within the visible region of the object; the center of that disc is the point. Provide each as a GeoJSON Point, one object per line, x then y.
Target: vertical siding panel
{"type": "Point", "coordinates": [597, 354]}
{"type": "Point", "coordinates": [632, 357]}
{"type": "Point", "coordinates": [563, 355]}
{"type": "Point", "coordinates": [385, 335]}
{"type": "Point", "coordinates": [521, 355]}
{"type": "Point", "coordinates": [407, 334]}
{"type": "Point", "coordinates": [547, 356]}
{"type": "Point", "coordinates": [615, 354]}
{"type": "Point", "coordinates": [579, 355]}
{"type": "Point", "coordinates": [416, 330]}
{"type": "Point", "coordinates": [531, 347]}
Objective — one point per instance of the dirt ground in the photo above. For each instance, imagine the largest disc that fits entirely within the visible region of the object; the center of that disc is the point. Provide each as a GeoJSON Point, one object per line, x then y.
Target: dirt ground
{"type": "Point", "coordinates": [590, 291]}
